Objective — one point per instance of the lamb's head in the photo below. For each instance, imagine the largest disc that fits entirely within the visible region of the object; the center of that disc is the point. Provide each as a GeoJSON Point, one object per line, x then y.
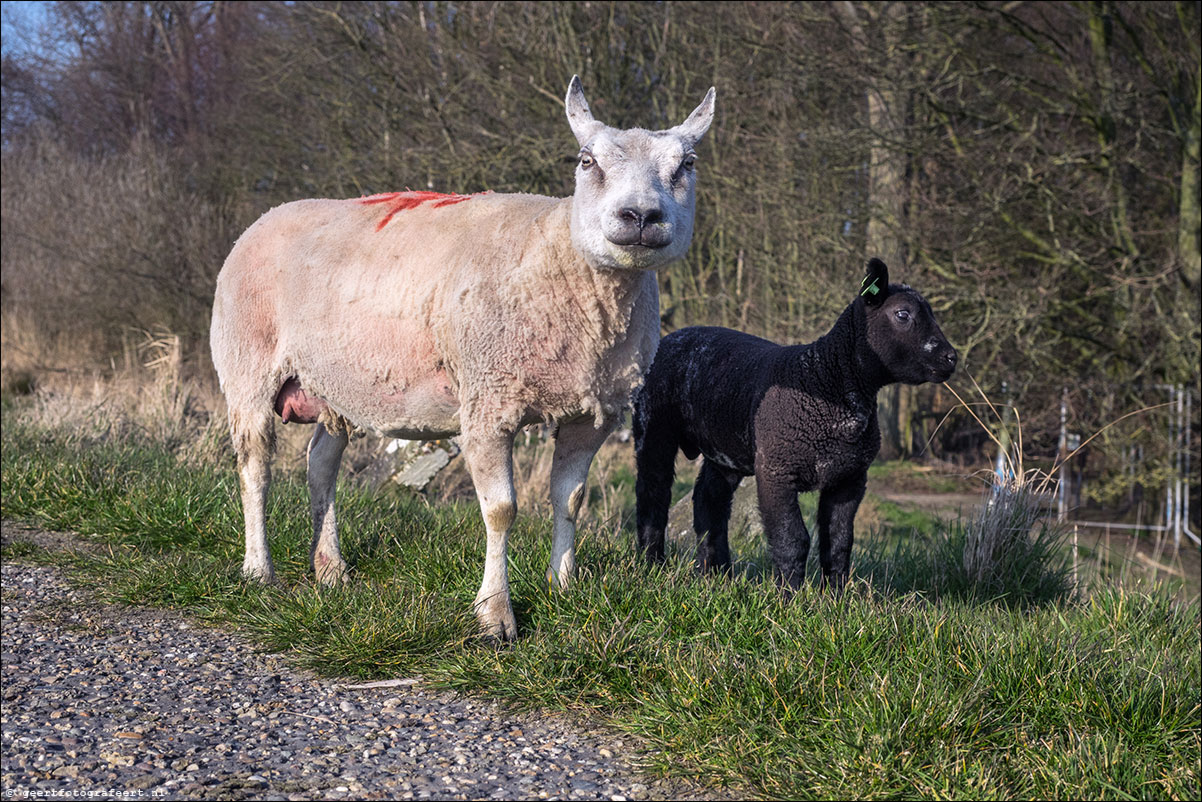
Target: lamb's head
{"type": "Point", "coordinates": [902, 332]}
{"type": "Point", "coordinates": [634, 199]}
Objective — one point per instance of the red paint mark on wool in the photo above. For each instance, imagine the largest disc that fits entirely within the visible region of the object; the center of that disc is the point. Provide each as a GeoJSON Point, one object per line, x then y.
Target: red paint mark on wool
{"type": "Point", "coordinates": [403, 201]}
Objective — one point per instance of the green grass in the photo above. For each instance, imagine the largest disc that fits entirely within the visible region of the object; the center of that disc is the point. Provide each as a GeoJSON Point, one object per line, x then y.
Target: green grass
{"type": "Point", "coordinates": [906, 687]}
{"type": "Point", "coordinates": [905, 521]}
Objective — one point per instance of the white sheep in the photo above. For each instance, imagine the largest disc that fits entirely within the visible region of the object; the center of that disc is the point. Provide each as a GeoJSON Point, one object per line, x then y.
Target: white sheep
{"type": "Point", "coordinates": [420, 315]}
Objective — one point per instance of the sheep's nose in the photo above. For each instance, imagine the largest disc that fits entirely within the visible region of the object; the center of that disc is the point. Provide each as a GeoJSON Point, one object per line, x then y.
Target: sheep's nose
{"type": "Point", "coordinates": [949, 358]}
{"type": "Point", "coordinates": [641, 217]}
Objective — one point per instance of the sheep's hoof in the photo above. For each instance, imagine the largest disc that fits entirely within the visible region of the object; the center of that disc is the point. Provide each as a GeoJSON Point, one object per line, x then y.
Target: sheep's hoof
{"type": "Point", "coordinates": [496, 619]}
{"type": "Point", "coordinates": [330, 571]}
{"type": "Point", "coordinates": [558, 580]}
{"type": "Point", "coordinates": [257, 572]}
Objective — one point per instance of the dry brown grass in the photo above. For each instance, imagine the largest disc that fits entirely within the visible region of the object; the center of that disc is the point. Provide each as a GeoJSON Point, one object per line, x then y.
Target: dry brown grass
{"type": "Point", "coordinates": [97, 252]}
{"type": "Point", "coordinates": [147, 395]}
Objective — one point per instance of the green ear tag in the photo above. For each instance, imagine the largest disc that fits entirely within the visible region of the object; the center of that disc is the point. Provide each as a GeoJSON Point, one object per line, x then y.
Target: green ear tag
{"type": "Point", "coordinates": [871, 288]}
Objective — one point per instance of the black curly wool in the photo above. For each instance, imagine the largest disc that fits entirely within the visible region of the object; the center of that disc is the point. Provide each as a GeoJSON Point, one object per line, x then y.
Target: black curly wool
{"type": "Point", "coordinates": [800, 418]}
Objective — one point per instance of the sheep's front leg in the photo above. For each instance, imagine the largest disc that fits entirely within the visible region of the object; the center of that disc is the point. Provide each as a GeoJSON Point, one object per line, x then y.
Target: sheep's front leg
{"type": "Point", "coordinates": [490, 460]}
{"type": "Point", "coordinates": [788, 538]}
{"type": "Point", "coordinates": [324, 456]}
{"type": "Point", "coordinates": [836, 517]}
{"type": "Point", "coordinates": [576, 442]}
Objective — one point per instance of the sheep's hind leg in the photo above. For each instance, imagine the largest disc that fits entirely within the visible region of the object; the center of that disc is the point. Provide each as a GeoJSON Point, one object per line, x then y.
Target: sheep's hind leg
{"type": "Point", "coordinates": [490, 460]}
{"type": "Point", "coordinates": [712, 495]}
{"type": "Point", "coordinates": [788, 538]}
{"type": "Point", "coordinates": [836, 518]}
{"type": "Point", "coordinates": [576, 443]}
{"type": "Point", "coordinates": [254, 444]}
{"type": "Point", "coordinates": [324, 456]}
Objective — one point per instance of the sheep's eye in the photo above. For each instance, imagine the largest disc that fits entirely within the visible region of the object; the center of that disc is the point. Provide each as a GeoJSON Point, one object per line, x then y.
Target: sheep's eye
{"type": "Point", "coordinates": [686, 166]}
{"type": "Point", "coordinates": [587, 160]}
{"type": "Point", "coordinates": [903, 315]}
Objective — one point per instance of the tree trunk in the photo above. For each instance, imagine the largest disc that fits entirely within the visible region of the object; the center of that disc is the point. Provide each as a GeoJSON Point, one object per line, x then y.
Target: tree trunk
{"type": "Point", "coordinates": [1189, 221]}
{"type": "Point", "coordinates": [887, 168]}
{"type": "Point", "coordinates": [888, 102]}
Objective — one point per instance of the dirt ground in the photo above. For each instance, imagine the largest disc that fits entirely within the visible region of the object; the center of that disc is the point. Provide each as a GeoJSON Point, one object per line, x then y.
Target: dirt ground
{"type": "Point", "coordinates": [1142, 559]}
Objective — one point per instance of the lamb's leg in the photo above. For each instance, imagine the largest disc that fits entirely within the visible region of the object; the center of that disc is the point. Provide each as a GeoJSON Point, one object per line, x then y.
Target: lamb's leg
{"type": "Point", "coordinates": [836, 515]}
{"type": "Point", "coordinates": [575, 444]}
{"type": "Point", "coordinates": [490, 460]}
{"type": "Point", "coordinates": [712, 495]}
{"type": "Point", "coordinates": [655, 458]}
{"type": "Point", "coordinates": [788, 538]}
{"type": "Point", "coordinates": [253, 435]}
{"type": "Point", "coordinates": [324, 456]}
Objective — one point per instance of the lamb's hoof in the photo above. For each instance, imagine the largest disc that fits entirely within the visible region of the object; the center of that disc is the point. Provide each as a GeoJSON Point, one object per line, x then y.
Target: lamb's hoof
{"type": "Point", "coordinates": [496, 620]}
{"type": "Point", "coordinates": [707, 566]}
{"type": "Point", "coordinates": [330, 571]}
{"type": "Point", "coordinates": [834, 584]}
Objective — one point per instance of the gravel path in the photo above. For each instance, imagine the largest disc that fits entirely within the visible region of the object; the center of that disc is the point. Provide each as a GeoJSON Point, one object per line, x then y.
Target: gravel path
{"type": "Point", "coordinates": [110, 702]}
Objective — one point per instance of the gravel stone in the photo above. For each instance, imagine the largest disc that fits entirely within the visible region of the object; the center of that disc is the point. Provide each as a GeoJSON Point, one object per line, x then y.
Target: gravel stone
{"type": "Point", "coordinates": [102, 701]}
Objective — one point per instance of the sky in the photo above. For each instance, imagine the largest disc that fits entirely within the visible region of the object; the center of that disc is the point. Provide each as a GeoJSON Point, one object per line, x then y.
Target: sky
{"type": "Point", "coordinates": [17, 17]}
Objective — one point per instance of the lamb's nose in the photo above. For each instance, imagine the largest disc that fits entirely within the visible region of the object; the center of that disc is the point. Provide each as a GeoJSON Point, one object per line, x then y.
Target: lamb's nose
{"type": "Point", "coordinates": [950, 357]}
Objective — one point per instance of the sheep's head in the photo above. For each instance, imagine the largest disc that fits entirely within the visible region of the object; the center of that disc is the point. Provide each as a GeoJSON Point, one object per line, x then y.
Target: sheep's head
{"type": "Point", "coordinates": [902, 331]}
{"type": "Point", "coordinates": [634, 199]}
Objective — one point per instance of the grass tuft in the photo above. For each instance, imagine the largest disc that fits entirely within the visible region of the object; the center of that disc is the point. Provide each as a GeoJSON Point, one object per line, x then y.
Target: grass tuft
{"type": "Point", "coordinates": [1008, 552]}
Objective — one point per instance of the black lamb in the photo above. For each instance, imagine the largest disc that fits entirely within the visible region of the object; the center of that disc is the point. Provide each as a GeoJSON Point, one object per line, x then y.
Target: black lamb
{"type": "Point", "coordinates": [800, 418]}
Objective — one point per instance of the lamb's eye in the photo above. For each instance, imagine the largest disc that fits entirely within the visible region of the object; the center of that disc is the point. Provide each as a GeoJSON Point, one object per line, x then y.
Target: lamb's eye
{"type": "Point", "coordinates": [690, 161]}
{"type": "Point", "coordinates": [903, 315]}
{"type": "Point", "coordinates": [587, 160]}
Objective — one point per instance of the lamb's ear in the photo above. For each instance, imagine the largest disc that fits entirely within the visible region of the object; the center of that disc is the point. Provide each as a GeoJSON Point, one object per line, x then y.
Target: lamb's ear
{"type": "Point", "coordinates": [699, 121]}
{"type": "Point", "coordinates": [584, 126]}
{"type": "Point", "coordinates": [875, 285]}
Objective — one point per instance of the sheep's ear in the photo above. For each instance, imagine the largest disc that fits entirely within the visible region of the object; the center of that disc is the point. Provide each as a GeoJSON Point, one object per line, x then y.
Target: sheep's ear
{"type": "Point", "coordinates": [584, 126]}
{"type": "Point", "coordinates": [699, 121]}
{"type": "Point", "coordinates": [875, 285]}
